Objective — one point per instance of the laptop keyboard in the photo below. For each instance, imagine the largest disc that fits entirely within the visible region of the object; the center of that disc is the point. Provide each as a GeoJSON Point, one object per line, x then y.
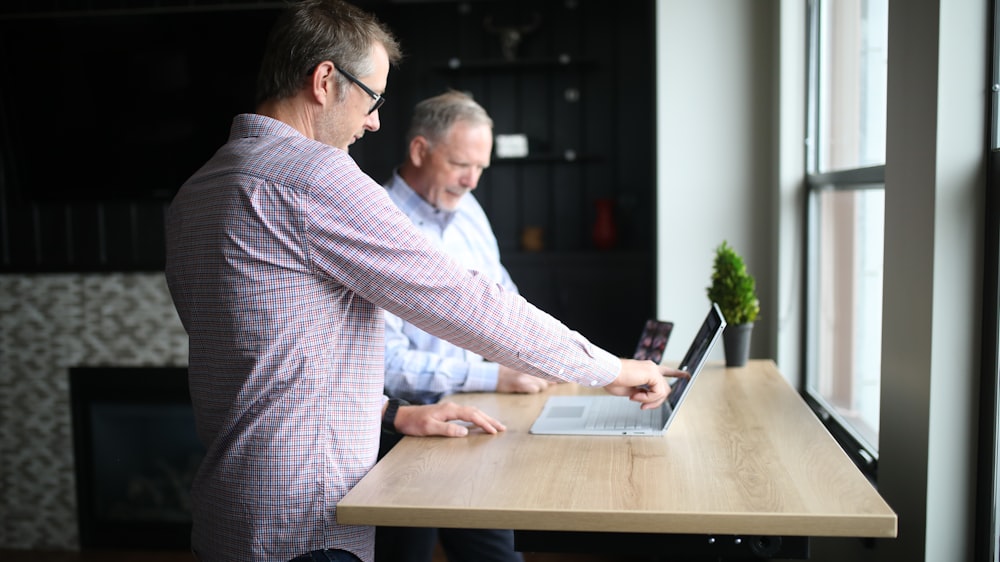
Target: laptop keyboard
{"type": "Point", "coordinates": [620, 414]}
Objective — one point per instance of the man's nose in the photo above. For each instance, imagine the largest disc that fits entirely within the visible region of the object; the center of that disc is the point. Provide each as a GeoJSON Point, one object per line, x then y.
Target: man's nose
{"type": "Point", "coordinates": [470, 179]}
{"type": "Point", "coordinates": [372, 122]}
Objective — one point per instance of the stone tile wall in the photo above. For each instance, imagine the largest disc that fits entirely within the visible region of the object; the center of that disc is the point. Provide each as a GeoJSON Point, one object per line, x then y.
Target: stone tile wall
{"type": "Point", "coordinates": [49, 323]}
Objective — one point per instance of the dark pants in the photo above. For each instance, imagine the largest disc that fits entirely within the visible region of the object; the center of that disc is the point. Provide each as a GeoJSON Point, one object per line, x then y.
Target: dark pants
{"type": "Point", "coordinates": [328, 555]}
{"type": "Point", "coordinates": [416, 544]}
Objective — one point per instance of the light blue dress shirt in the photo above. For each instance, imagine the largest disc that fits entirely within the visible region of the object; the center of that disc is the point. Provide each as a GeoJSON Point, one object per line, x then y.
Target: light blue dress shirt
{"type": "Point", "coordinates": [419, 367]}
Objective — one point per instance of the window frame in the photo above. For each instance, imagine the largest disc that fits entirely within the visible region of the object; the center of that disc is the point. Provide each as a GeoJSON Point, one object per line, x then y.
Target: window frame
{"type": "Point", "coordinates": [987, 529]}
{"type": "Point", "coordinates": [816, 183]}
{"type": "Point", "coordinates": [872, 177]}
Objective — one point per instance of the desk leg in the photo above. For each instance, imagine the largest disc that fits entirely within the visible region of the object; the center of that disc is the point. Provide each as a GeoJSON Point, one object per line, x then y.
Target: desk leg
{"type": "Point", "coordinates": [668, 546]}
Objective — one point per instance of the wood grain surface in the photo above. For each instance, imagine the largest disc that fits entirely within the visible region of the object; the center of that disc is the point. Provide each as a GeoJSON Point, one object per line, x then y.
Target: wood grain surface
{"type": "Point", "coordinates": [745, 456]}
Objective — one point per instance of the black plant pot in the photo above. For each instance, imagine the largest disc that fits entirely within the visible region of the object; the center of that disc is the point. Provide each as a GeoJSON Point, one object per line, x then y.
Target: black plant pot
{"type": "Point", "coordinates": [736, 343]}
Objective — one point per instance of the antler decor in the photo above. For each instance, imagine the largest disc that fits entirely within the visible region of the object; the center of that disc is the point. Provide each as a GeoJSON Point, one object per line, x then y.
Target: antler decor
{"type": "Point", "coordinates": [511, 35]}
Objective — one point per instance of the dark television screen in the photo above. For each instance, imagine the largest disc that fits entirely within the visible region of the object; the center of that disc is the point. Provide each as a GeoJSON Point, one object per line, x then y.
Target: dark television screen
{"type": "Point", "coordinates": [122, 105]}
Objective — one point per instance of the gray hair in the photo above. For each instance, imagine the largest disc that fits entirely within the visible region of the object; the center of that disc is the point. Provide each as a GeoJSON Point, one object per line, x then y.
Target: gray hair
{"type": "Point", "coordinates": [309, 32]}
{"type": "Point", "coordinates": [433, 117]}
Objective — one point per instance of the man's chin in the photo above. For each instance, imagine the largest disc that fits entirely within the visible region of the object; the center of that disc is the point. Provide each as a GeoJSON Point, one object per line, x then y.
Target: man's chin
{"type": "Point", "coordinates": [452, 204]}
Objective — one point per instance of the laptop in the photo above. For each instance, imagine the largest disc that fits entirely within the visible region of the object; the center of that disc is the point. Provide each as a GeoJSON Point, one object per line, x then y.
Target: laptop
{"type": "Point", "coordinates": [653, 340]}
{"type": "Point", "coordinates": [617, 415]}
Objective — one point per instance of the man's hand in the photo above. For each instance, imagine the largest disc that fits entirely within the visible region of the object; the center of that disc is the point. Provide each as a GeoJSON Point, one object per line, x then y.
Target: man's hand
{"type": "Point", "coordinates": [433, 419]}
{"type": "Point", "coordinates": [642, 381]}
{"type": "Point", "coordinates": [509, 380]}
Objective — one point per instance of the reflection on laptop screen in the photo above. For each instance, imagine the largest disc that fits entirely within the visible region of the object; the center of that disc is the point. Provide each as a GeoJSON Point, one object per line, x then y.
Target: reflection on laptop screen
{"type": "Point", "coordinates": [695, 356]}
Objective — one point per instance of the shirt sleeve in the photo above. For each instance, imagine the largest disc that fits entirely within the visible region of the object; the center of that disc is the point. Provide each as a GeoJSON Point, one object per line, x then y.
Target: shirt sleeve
{"type": "Point", "coordinates": [361, 240]}
{"type": "Point", "coordinates": [506, 282]}
{"type": "Point", "coordinates": [424, 377]}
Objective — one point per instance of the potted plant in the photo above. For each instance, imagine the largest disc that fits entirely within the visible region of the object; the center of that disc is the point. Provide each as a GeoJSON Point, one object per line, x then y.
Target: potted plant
{"type": "Point", "coordinates": [734, 290]}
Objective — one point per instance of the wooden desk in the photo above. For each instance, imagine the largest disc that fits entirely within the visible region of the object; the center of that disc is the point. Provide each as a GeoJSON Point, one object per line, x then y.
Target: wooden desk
{"type": "Point", "coordinates": [745, 456]}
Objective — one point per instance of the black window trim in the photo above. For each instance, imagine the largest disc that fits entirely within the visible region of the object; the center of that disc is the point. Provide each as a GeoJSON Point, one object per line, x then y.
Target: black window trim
{"type": "Point", "coordinates": [987, 526]}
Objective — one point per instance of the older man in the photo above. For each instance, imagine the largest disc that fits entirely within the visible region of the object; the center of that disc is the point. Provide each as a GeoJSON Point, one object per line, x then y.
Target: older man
{"type": "Point", "coordinates": [448, 147]}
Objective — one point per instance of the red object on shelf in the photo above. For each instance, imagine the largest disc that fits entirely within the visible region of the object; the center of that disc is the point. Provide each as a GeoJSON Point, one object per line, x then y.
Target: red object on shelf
{"type": "Point", "coordinates": [605, 232]}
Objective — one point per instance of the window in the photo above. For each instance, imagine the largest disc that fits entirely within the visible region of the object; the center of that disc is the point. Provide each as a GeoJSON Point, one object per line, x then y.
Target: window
{"type": "Point", "coordinates": [988, 478]}
{"type": "Point", "coordinates": [848, 60]}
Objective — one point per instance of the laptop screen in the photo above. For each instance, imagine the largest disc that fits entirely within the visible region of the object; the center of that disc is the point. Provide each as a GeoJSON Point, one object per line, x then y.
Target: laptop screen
{"type": "Point", "coordinates": [695, 357]}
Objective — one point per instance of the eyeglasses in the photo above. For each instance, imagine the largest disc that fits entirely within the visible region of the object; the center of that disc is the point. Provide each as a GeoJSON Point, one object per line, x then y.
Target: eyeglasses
{"type": "Point", "coordinates": [379, 99]}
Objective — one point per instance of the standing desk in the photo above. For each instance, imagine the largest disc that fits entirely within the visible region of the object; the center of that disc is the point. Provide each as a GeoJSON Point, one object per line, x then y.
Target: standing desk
{"type": "Point", "coordinates": [746, 469]}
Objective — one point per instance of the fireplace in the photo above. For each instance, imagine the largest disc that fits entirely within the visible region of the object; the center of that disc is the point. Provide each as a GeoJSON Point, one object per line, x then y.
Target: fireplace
{"type": "Point", "coordinates": [136, 452]}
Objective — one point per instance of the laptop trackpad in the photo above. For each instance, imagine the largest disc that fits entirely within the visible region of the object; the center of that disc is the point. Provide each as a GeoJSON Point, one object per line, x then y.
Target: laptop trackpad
{"type": "Point", "coordinates": [561, 412]}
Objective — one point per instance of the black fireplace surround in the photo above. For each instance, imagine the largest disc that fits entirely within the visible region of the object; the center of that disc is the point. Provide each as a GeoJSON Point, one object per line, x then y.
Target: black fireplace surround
{"type": "Point", "coordinates": [136, 452]}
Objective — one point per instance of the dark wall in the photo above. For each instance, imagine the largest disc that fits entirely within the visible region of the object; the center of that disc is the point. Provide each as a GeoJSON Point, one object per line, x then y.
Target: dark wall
{"type": "Point", "coordinates": [580, 86]}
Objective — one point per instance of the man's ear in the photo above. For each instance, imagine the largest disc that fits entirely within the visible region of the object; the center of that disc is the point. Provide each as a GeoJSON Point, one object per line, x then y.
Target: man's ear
{"type": "Point", "coordinates": [419, 149]}
{"type": "Point", "coordinates": [324, 83]}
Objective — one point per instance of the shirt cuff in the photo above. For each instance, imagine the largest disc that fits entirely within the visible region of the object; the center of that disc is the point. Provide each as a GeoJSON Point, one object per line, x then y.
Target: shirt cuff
{"type": "Point", "coordinates": [608, 368]}
{"type": "Point", "coordinates": [482, 377]}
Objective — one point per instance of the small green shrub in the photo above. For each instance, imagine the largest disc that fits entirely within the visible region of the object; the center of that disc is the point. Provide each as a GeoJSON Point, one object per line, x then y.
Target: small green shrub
{"type": "Point", "coordinates": [732, 288]}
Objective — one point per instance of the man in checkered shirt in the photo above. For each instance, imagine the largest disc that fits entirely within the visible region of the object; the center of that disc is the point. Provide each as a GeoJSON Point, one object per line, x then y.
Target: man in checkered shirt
{"type": "Point", "coordinates": [281, 255]}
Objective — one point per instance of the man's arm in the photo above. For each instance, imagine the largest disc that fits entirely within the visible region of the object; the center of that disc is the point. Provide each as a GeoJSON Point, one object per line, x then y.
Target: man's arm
{"type": "Point", "coordinates": [435, 419]}
{"type": "Point", "coordinates": [422, 377]}
{"type": "Point", "coordinates": [390, 263]}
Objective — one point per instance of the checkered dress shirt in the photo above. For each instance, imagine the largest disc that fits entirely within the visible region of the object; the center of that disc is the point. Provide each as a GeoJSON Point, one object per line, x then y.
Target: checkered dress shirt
{"type": "Point", "coordinates": [280, 254]}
